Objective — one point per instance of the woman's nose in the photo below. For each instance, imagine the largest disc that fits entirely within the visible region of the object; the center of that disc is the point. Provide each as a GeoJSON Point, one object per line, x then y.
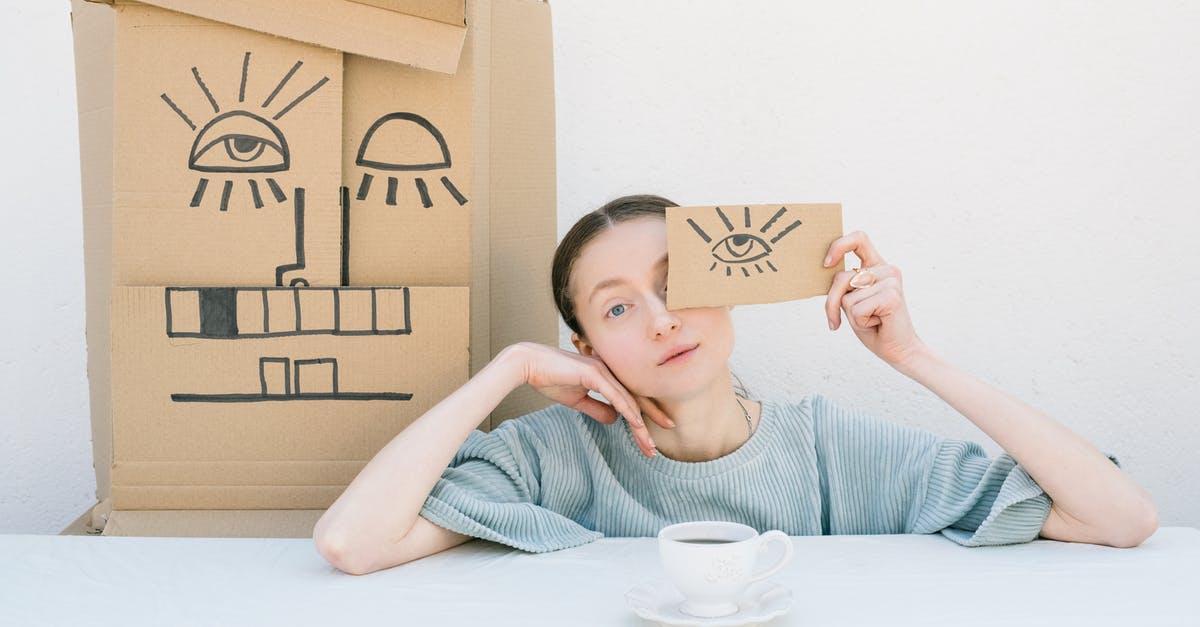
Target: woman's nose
{"type": "Point", "coordinates": [665, 320]}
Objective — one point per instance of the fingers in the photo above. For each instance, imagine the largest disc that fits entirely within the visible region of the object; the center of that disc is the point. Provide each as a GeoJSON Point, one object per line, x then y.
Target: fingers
{"type": "Point", "coordinates": [840, 291]}
{"type": "Point", "coordinates": [599, 411]}
{"type": "Point", "coordinates": [856, 242]}
{"type": "Point", "coordinates": [868, 307]}
{"type": "Point", "coordinates": [606, 384]}
{"type": "Point", "coordinates": [651, 409]}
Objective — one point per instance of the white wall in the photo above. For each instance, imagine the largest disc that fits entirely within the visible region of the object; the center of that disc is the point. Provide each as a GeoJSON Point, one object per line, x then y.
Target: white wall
{"type": "Point", "coordinates": [1033, 168]}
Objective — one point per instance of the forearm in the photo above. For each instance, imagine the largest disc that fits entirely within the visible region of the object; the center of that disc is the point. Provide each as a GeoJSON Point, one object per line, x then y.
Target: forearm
{"type": "Point", "coordinates": [383, 501]}
{"type": "Point", "coordinates": [1081, 481]}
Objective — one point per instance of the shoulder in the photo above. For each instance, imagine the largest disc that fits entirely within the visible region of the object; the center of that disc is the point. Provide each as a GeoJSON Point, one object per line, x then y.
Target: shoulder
{"type": "Point", "coordinates": [556, 423]}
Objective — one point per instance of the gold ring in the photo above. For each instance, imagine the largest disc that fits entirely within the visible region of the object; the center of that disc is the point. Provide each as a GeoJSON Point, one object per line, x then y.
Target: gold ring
{"type": "Point", "coordinates": [862, 278]}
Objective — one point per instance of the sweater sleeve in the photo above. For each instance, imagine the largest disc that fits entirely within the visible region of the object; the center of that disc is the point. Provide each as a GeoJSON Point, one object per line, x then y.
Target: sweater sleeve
{"type": "Point", "coordinates": [976, 501]}
{"type": "Point", "coordinates": [491, 490]}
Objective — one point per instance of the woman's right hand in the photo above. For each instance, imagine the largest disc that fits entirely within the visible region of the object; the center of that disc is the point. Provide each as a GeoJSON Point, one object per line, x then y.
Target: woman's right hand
{"type": "Point", "coordinates": [567, 377]}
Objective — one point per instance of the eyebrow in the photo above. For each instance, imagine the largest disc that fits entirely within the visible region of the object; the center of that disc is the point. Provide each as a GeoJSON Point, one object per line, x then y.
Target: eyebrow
{"type": "Point", "coordinates": [606, 283]}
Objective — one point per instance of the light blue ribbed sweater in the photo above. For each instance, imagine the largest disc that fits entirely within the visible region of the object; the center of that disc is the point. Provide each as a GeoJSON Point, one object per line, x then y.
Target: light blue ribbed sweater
{"type": "Point", "coordinates": [556, 478]}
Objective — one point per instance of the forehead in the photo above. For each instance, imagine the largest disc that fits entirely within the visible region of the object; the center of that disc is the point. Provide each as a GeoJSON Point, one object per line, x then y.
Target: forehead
{"type": "Point", "coordinates": [628, 250]}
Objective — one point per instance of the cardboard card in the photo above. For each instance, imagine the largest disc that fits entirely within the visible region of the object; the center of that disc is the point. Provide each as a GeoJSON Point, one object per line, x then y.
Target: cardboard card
{"type": "Point", "coordinates": [739, 254]}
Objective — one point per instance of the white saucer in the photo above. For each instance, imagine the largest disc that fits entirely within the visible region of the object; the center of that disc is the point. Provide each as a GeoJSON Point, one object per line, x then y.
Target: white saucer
{"type": "Point", "coordinates": [659, 601]}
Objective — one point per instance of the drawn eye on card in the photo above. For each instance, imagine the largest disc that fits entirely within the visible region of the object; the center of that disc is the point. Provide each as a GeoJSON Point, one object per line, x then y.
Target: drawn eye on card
{"type": "Point", "coordinates": [742, 248]}
{"type": "Point", "coordinates": [405, 142]}
{"type": "Point", "coordinates": [239, 141]}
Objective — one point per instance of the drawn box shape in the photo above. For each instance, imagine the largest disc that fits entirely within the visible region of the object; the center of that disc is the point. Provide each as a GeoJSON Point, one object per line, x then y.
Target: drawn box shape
{"type": "Point", "coordinates": [184, 307]}
{"type": "Point", "coordinates": [282, 306]}
{"type": "Point", "coordinates": [318, 310]}
{"type": "Point", "coordinates": [479, 214]}
{"type": "Point", "coordinates": [391, 310]}
{"type": "Point", "coordinates": [355, 308]}
{"type": "Point", "coordinates": [315, 376]}
{"type": "Point", "coordinates": [251, 311]}
{"type": "Point", "coordinates": [275, 374]}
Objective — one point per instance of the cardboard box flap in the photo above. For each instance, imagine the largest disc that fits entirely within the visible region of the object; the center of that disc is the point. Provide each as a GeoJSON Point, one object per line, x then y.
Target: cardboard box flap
{"type": "Point", "coordinates": [421, 33]}
{"type": "Point", "coordinates": [293, 523]}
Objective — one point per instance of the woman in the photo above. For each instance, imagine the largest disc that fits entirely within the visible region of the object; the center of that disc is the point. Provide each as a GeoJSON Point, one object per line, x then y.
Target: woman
{"type": "Point", "coordinates": [571, 473]}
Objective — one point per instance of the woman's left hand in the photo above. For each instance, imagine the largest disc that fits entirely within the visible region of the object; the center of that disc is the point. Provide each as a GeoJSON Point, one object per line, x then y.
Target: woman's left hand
{"type": "Point", "coordinates": [877, 312]}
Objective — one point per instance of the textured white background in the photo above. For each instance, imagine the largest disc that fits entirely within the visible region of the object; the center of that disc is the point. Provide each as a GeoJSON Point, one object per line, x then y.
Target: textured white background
{"type": "Point", "coordinates": [1034, 168]}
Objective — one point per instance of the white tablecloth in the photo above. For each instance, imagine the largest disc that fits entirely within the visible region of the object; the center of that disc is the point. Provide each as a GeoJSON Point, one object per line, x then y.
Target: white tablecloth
{"type": "Point", "coordinates": [840, 580]}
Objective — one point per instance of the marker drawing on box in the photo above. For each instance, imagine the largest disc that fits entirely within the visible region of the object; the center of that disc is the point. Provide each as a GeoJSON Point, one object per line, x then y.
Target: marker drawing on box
{"type": "Point", "coordinates": [280, 271]}
{"type": "Point", "coordinates": [740, 248]}
{"type": "Point", "coordinates": [239, 141]}
{"type": "Point", "coordinates": [405, 142]}
{"type": "Point", "coordinates": [213, 313]}
{"type": "Point", "coordinates": [279, 381]}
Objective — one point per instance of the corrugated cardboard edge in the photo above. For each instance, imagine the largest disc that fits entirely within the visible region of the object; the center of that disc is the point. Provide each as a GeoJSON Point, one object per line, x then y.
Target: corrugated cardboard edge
{"type": "Point", "coordinates": [262, 523]}
{"type": "Point", "coordinates": [93, 29]}
{"type": "Point", "coordinates": [522, 221]}
{"type": "Point", "coordinates": [342, 25]}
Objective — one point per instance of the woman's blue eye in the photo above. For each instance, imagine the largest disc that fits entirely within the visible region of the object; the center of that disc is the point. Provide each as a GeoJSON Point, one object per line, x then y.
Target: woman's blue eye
{"type": "Point", "coordinates": [616, 310]}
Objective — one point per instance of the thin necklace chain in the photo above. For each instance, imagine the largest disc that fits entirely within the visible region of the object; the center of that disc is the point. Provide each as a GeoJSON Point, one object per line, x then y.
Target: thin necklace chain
{"type": "Point", "coordinates": [749, 423]}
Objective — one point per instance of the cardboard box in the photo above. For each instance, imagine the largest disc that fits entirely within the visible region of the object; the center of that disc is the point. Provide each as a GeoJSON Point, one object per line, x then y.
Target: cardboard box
{"type": "Point", "coordinates": [305, 223]}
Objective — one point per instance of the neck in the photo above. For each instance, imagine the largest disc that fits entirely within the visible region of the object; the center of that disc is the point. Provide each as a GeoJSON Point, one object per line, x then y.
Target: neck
{"type": "Point", "coordinates": [708, 424]}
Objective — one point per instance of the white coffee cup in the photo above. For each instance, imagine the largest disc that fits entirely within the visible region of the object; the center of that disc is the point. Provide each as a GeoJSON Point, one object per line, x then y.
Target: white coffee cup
{"type": "Point", "coordinates": [713, 562]}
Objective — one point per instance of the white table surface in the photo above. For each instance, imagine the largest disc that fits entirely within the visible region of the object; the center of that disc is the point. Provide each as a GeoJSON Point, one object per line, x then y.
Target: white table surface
{"type": "Point", "coordinates": [835, 580]}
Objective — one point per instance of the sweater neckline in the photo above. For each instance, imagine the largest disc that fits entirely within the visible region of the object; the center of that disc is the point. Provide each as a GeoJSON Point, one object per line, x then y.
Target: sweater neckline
{"type": "Point", "coordinates": [759, 440]}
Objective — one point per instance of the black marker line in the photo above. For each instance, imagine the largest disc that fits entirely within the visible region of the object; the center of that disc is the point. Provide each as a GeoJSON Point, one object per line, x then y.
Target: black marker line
{"type": "Point", "coordinates": [745, 271]}
{"type": "Point", "coordinates": [266, 315]}
{"type": "Point", "coordinates": [712, 267]}
{"type": "Point", "coordinates": [199, 195]}
{"type": "Point", "coordinates": [775, 217]}
{"type": "Point", "coordinates": [345, 248]}
{"type": "Point", "coordinates": [374, 313]}
{"type": "Point", "coordinates": [301, 98]}
{"type": "Point", "coordinates": [364, 186]}
{"type": "Point", "coordinates": [225, 195]}
{"type": "Point", "coordinates": [258, 203]}
{"type": "Point", "coordinates": [170, 331]}
{"type": "Point", "coordinates": [262, 372]}
{"type": "Point", "coordinates": [424, 192]}
{"type": "Point", "coordinates": [245, 68]}
{"type": "Point", "coordinates": [258, 336]}
{"type": "Point", "coordinates": [258, 398]}
{"type": "Point", "coordinates": [391, 193]}
{"type": "Point", "coordinates": [337, 312]}
{"type": "Point", "coordinates": [728, 270]}
{"type": "Point", "coordinates": [771, 266]}
{"type": "Point", "coordinates": [785, 231]}
{"type": "Point", "coordinates": [407, 322]}
{"type": "Point", "coordinates": [335, 376]}
{"type": "Point", "coordinates": [758, 267]}
{"type": "Point", "coordinates": [207, 93]}
{"type": "Point", "coordinates": [279, 197]}
{"type": "Point", "coordinates": [286, 77]}
{"type": "Point", "coordinates": [700, 231]}
{"type": "Point", "coordinates": [296, 299]}
{"type": "Point", "coordinates": [747, 217]}
{"type": "Point", "coordinates": [728, 224]}
{"type": "Point", "coordinates": [298, 200]}
{"type": "Point", "coordinates": [462, 200]}
{"type": "Point", "coordinates": [179, 111]}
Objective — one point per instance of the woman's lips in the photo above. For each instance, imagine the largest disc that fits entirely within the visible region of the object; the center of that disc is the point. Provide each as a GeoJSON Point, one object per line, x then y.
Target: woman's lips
{"type": "Point", "coordinates": [681, 356]}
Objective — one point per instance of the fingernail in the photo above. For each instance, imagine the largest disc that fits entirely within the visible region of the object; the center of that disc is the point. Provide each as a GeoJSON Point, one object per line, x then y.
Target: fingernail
{"type": "Point", "coordinates": [828, 260]}
{"type": "Point", "coordinates": [671, 422]}
{"type": "Point", "coordinates": [831, 325]}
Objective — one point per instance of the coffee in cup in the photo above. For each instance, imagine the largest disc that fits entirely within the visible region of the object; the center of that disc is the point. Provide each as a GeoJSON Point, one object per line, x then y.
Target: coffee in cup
{"type": "Point", "coordinates": [713, 562]}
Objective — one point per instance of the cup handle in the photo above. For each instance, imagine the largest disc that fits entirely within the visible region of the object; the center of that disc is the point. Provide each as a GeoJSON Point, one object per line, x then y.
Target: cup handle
{"type": "Point", "coordinates": [765, 540]}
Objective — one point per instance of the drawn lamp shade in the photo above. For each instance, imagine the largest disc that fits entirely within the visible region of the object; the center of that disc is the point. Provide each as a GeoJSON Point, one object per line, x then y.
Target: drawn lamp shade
{"type": "Point", "coordinates": [405, 142]}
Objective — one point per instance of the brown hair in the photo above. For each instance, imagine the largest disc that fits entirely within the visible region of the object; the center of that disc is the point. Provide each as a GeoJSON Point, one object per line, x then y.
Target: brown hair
{"type": "Point", "coordinates": [587, 228]}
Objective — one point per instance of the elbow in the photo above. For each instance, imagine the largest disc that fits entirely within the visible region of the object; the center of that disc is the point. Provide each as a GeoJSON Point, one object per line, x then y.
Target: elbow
{"type": "Point", "coordinates": [334, 545]}
{"type": "Point", "coordinates": [1138, 530]}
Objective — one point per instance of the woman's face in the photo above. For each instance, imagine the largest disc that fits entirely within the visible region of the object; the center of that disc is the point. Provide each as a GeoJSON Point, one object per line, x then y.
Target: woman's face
{"type": "Point", "coordinates": [619, 287]}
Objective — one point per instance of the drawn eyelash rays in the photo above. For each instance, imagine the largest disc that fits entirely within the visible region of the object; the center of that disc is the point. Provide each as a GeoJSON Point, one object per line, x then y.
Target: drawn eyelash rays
{"type": "Point", "coordinates": [742, 249]}
{"type": "Point", "coordinates": [405, 142]}
{"type": "Point", "coordinates": [238, 141]}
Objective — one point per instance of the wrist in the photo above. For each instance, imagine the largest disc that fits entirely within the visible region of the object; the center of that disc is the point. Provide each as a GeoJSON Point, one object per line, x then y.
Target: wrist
{"type": "Point", "coordinates": [509, 365]}
{"type": "Point", "coordinates": [918, 359]}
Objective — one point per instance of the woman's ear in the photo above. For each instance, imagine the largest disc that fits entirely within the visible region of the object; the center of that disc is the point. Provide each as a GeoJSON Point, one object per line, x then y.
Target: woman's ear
{"type": "Point", "coordinates": [581, 345]}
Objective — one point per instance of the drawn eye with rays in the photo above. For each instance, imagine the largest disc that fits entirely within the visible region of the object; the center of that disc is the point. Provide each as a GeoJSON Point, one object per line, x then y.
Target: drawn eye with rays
{"type": "Point", "coordinates": [238, 141]}
{"type": "Point", "coordinates": [744, 249]}
{"type": "Point", "coordinates": [241, 142]}
{"type": "Point", "coordinates": [405, 142]}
